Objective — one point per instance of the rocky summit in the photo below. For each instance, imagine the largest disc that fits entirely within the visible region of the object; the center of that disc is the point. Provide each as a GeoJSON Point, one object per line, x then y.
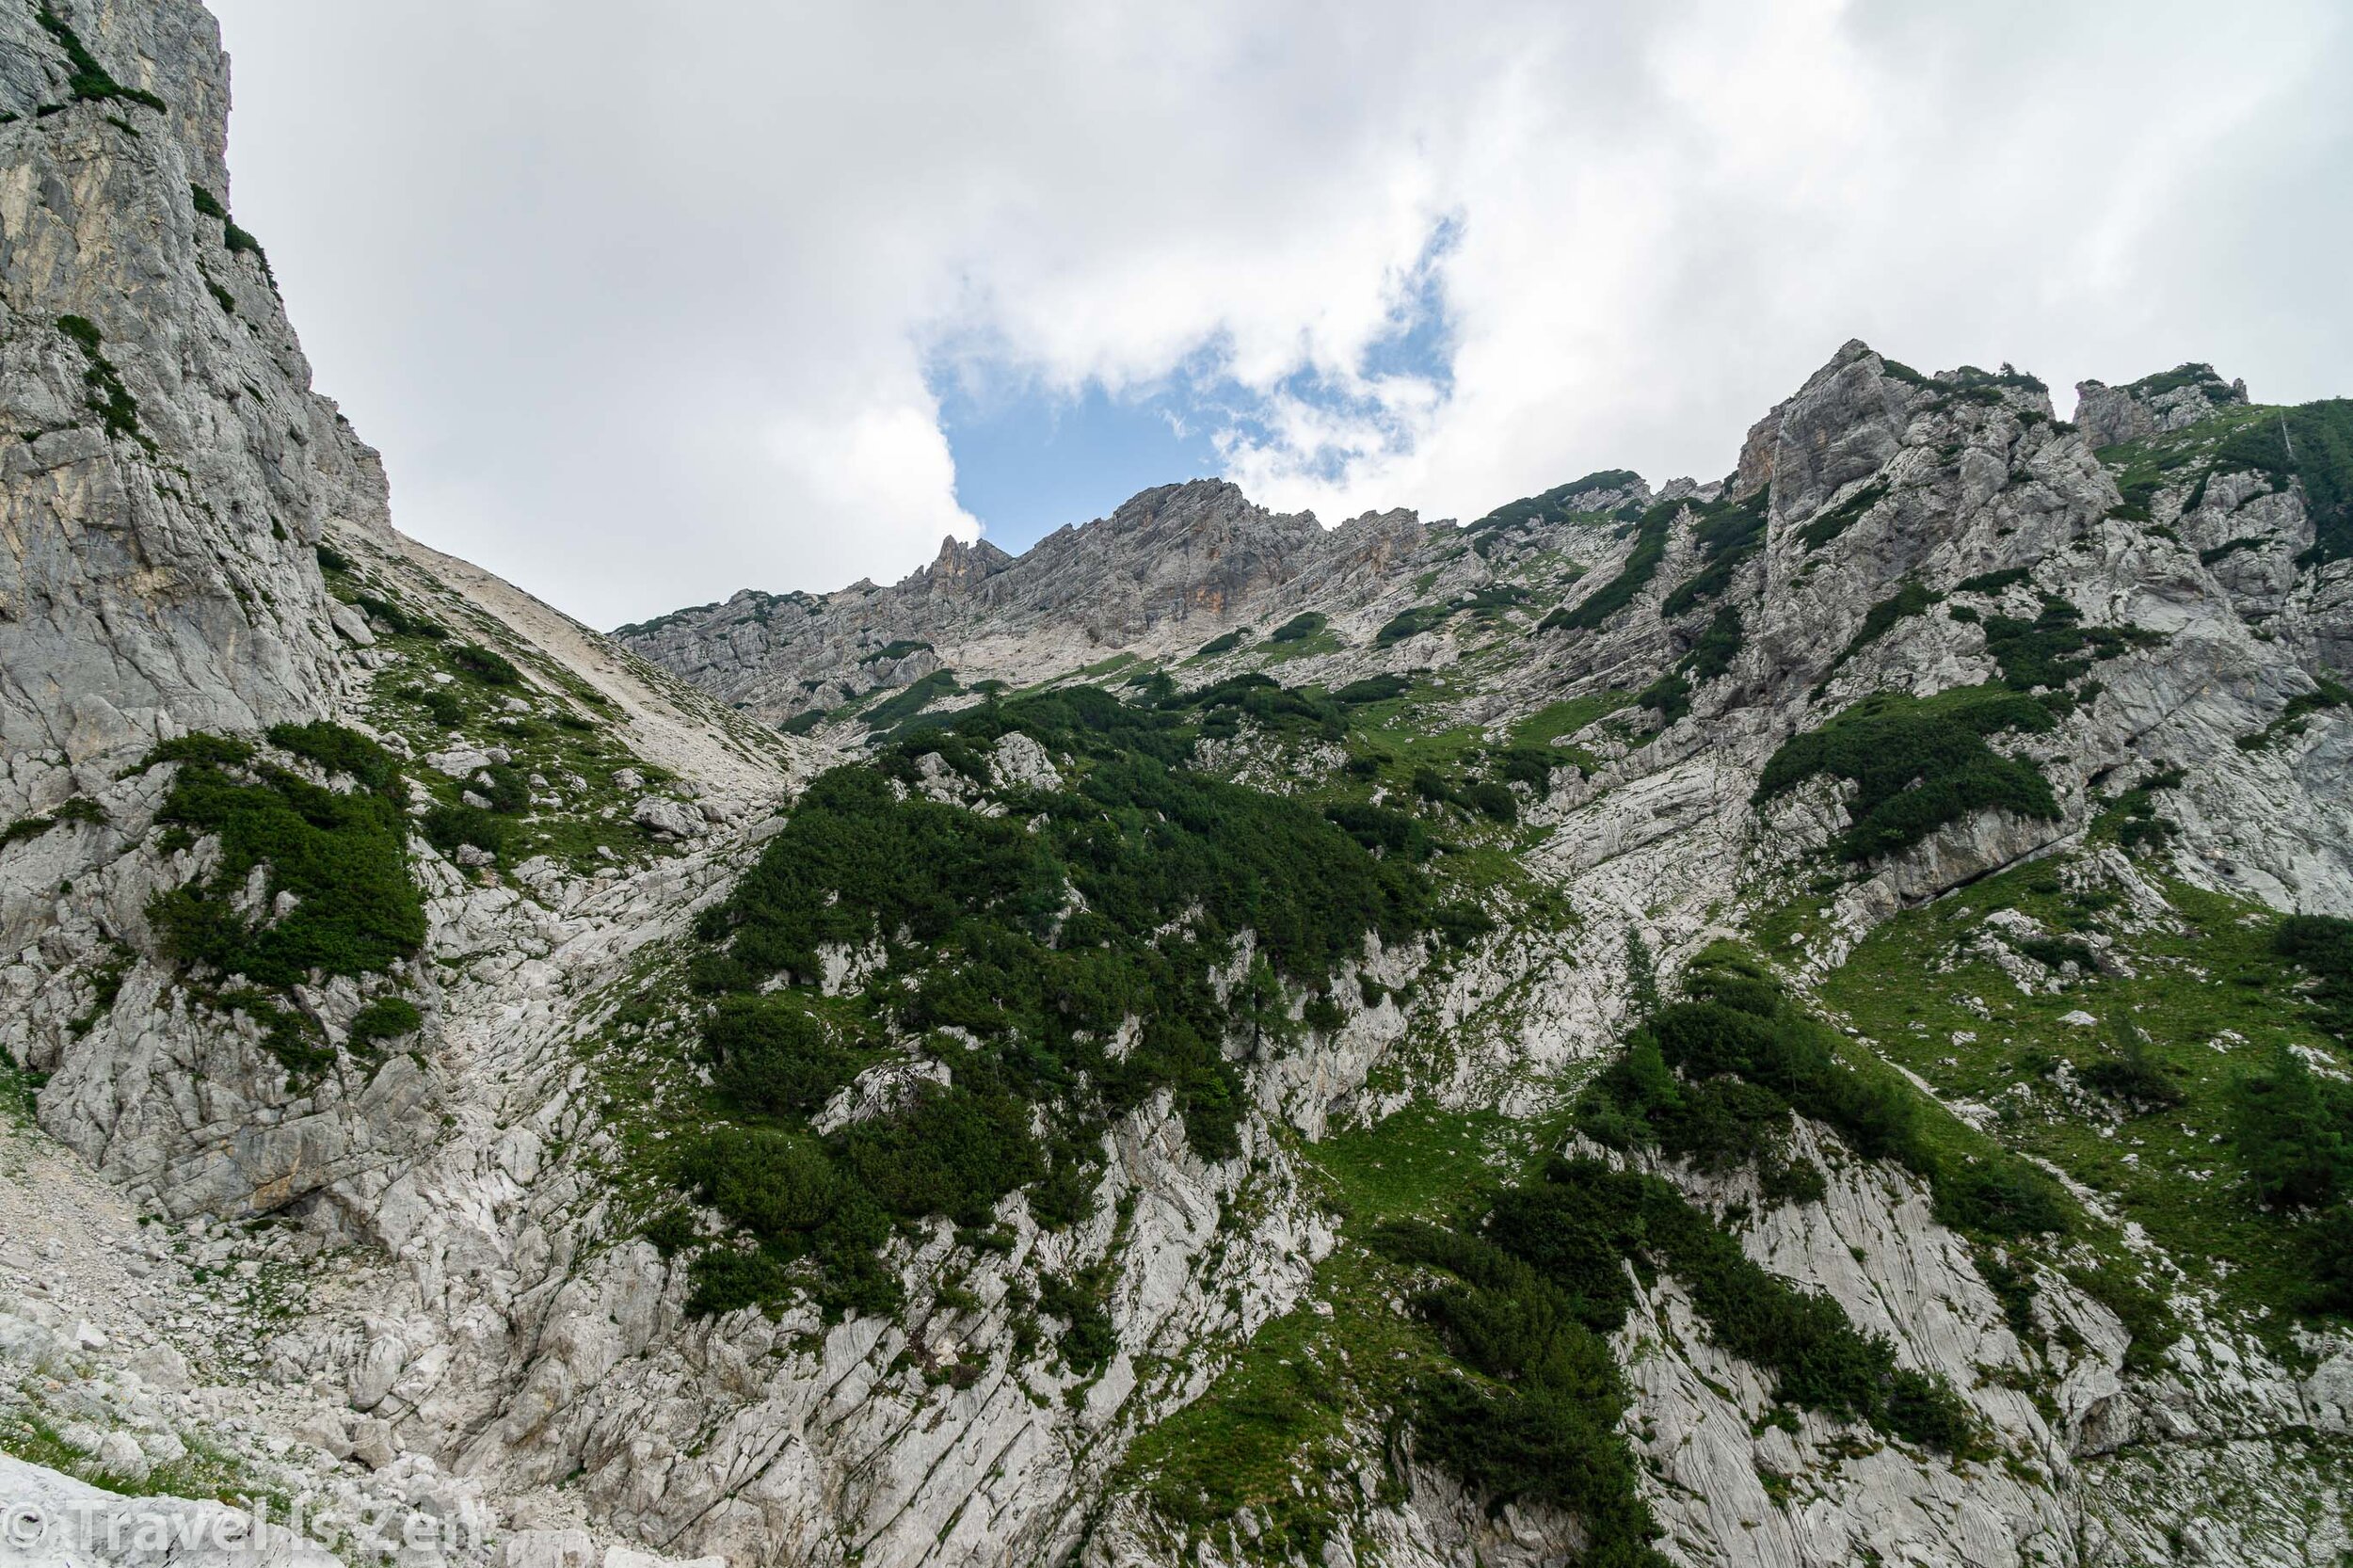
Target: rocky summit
{"type": "Point", "coordinates": [1797, 1019]}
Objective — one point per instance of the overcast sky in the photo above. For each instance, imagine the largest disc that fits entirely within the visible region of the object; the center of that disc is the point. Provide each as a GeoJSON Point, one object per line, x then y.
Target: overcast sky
{"type": "Point", "coordinates": [648, 302]}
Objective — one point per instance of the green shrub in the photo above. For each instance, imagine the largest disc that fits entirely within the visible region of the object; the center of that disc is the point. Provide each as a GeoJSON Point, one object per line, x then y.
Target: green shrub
{"type": "Point", "coordinates": [200, 748]}
{"type": "Point", "coordinates": [487, 665]}
{"type": "Point", "coordinates": [2150, 1328]}
{"type": "Point", "coordinates": [1491, 799]}
{"type": "Point", "coordinates": [1669, 697]}
{"type": "Point", "coordinates": [87, 80]}
{"type": "Point", "coordinates": [1224, 643]}
{"type": "Point", "coordinates": [401, 623]}
{"type": "Point", "coordinates": [1378, 827]}
{"type": "Point", "coordinates": [445, 827]}
{"type": "Point", "coordinates": [79, 809]}
{"type": "Point", "coordinates": [385, 1018]}
{"type": "Point", "coordinates": [1273, 706]}
{"type": "Point", "coordinates": [338, 750]}
{"type": "Point", "coordinates": [1714, 1079]}
{"type": "Point", "coordinates": [1038, 934]}
{"type": "Point", "coordinates": [2323, 944]}
{"type": "Point", "coordinates": [2293, 1132]}
{"type": "Point", "coordinates": [1299, 628]}
{"type": "Point", "coordinates": [1992, 583]}
{"type": "Point", "coordinates": [2056, 648]}
{"type": "Point", "coordinates": [1727, 534]}
{"type": "Point", "coordinates": [2311, 445]}
{"type": "Point", "coordinates": [444, 707]}
{"type": "Point", "coordinates": [1917, 764]}
{"type": "Point", "coordinates": [2055, 952]}
{"type": "Point", "coordinates": [1372, 688]}
{"type": "Point", "coordinates": [1413, 623]}
{"type": "Point", "coordinates": [331, 559]}
{"type": "Point", "coordinates": [1552, 506]}
{"type": "Point", "coordinates": [1539, 1276]}
{"type": "Point", "coordinates": [1531, 765]}
{"type": "Point", "coordinates": [950, 1152]}
{"type": "Point", "coordinates": [1718, 646]}
{"type": "Point", "coordinates": [910, 700]}
{"type": "Point", "coordinates": [1909, 598]}
{"type": "Point", "coordinates": [103, 392]}
{"type": "Point", "coordinates": [770, 1057]}
{"type": "Point", "coordinates": [1641, 565]}
{"type": "Point", "coordinates": [2135, 1076]}
{"type": "Point", "coordinates": [341, 856]}
{"type": "Point", "coordinates": [1090, 1341]}
{"type": "Point", "coordinates": [1829, 524]}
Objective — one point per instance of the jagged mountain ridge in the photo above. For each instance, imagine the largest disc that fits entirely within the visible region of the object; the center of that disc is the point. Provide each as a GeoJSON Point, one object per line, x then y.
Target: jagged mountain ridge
{"type": "Point", "coordinates": [281, 1234]}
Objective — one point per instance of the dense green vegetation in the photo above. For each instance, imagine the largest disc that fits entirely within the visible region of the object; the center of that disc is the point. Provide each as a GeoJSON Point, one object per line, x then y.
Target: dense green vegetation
{"type": "Point", "coordinates": [1992, 583]}
{"type": "Point", "coordinates": [1012, 951]}
{"type": "Point", "coordinates": [1921, 763]}
{"type": "Point", "coordinates": [1373, 688]}
{"type": "Point", "coordinates": [2312, 444]}
{"type": "Point", "coordinates": [1714, 1079]}
{"type": "Point", "coordinates": [2055, 649]}
{"type": "Point", "coordinates": [1917, 763]}
{"type": "Point", "coordinates": [450, 689]}
{"type": "Point", "coordinates": [911, 699]}
{"type": "Point", "coordinates": [340, 854]}
{"type": "Point", "coordinates": [238, 242]}
{"type": "Point", "coordinates": [2294, 1128]}
{"type": "Point", "coordinates": [1224, 643]}
{"type": "Point", "coordinates": [2187, 375]}
{"type": "Point", "coordinates": [1531, 1277]}
{"type": "Point", "coordinates": [1413, 622]}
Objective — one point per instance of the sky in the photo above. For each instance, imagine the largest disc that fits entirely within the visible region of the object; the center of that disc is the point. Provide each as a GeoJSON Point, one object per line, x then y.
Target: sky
{"type": "Point", "coordinates": [647, 303]}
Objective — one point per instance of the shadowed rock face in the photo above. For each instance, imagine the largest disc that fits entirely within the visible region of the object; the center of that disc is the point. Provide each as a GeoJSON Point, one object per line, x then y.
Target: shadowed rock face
{"type": "Point", "coordinates": [448, 1302]}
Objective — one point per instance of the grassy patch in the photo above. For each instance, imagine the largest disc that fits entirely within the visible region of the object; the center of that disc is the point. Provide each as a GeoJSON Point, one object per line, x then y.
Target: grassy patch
{"type": "Point", "coordinates": [2201, 1011]}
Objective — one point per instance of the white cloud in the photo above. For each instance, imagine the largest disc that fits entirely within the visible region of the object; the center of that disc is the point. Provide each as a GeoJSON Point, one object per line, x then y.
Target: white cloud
{"type": "Point", "coordinates": [640, 303]}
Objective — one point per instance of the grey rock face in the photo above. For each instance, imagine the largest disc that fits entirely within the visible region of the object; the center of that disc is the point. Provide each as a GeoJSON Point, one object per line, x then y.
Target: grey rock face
{"type": "Point", "coordinates": [2111, 415]}
{"type": "Point", "coordinates": [168, 470]}
{"type": "Point", "coordinates": [1172, 568]}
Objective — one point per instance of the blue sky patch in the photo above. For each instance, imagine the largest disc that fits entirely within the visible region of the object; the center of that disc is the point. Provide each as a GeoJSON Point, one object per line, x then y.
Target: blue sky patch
{"type": "Point", "coordinates": [1031, 456]}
